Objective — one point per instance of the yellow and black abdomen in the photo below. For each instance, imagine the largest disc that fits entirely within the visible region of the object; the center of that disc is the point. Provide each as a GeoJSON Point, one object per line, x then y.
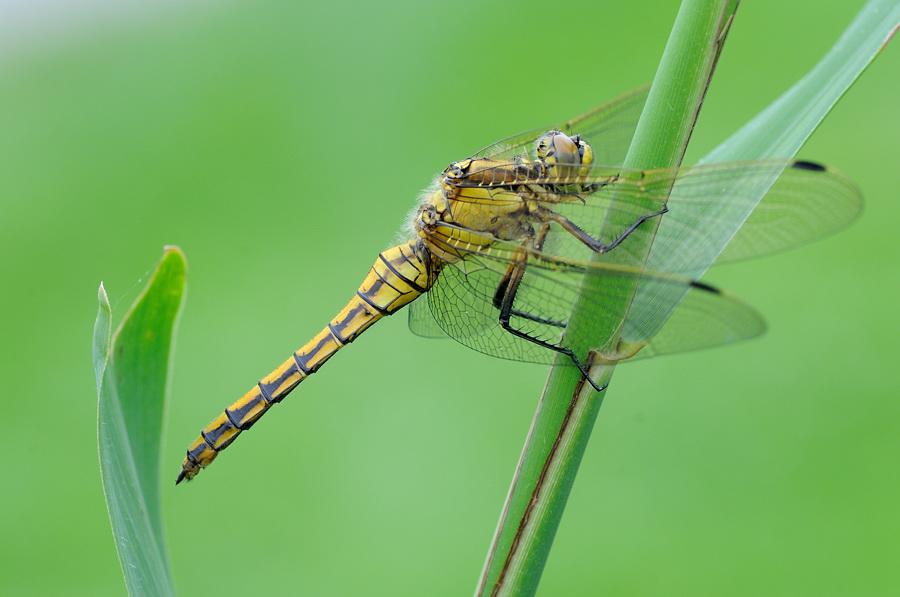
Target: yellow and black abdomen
{"type": "Point", "coordinates": [400, 275]}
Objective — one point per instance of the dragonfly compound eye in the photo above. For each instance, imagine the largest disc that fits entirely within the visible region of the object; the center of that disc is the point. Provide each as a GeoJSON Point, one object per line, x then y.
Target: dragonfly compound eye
{"type": "Point", "coordinates": [546, 148]}
{"type": "Point", "coordinates": [585, 151]}
{"type": "Point", "coordinates": [559, 151]}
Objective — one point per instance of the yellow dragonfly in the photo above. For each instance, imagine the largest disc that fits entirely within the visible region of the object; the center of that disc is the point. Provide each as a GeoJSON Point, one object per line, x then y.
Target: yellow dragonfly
{"type": "Point", "coordinates": [501, 244]}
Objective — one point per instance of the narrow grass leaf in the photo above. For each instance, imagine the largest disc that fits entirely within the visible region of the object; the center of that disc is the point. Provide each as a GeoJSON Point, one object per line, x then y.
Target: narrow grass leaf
{"type": "Point", "coordinates": [133, 372]}
{"type": "Point", "coordinates": [778, 132]}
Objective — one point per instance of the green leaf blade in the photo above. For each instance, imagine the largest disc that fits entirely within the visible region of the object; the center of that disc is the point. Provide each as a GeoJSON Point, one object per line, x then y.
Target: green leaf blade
{"type": "Point", "coordinates": [781, 129]}
{"type": "Point", "coordinates": [133, 378]}
{"type": "Point", "coordinates": [102, 329]}
{"type": "Point", "coordinates": [777, 132]}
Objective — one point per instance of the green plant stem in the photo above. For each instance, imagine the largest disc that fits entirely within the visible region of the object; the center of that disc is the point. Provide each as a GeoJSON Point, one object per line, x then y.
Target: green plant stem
{"type": "Point", "coordinates": [569, 407]}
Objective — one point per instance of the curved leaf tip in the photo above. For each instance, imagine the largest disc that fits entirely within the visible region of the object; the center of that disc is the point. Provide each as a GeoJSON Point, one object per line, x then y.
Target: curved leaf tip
{"type": "Point", "coordinates": [132, 382]}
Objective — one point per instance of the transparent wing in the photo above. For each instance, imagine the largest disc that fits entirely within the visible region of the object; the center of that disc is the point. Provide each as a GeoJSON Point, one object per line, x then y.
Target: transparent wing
{"type": "Point", "coordinates": [422, 322]}
{"type": "Point", "coordinates": [707, 206]}
{"type": "Point", "coordinates": [461, 306]}
{"type": "Point", "coordinates": [706, 318]}
{"type": "Point", "coordinates": [609, 127]}
{"type": "Point", "coordinates": [807, 202]}
{"type": "Point", "coordinates": [803, 202]}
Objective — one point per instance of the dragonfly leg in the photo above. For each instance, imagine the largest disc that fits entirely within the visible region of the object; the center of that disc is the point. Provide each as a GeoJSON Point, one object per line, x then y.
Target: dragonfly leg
{"type": "Point", "coordinates": [592, 243]}
{"type": "Point", "coordinates": [506, 295]}
{"type": "Point", "coordinates": [518, 262]}
{"type": "Point", "coordinates": [541, 237]}
{"type": "Point", "coordinates": [560, 349]}
{"type": "Point", "coordinates": [510, 273]}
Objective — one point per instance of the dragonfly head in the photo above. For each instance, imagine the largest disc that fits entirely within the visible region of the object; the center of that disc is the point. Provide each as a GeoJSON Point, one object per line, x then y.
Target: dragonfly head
{"type": "Point", "coordinates": [458, 169]}
{"type": "Point", "coordinates": [561, 153]}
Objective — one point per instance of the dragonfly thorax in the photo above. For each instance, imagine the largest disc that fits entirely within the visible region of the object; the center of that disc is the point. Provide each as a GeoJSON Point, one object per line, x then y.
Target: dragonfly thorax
{"type": "Point", "coordinates": [472, 204]}
{"type": "Point", "coordinates": [480, 200]}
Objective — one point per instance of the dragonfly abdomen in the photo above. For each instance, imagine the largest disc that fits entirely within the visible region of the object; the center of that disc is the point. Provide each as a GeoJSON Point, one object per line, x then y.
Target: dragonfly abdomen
{"type": "Point", "coordinates": [400, 275]}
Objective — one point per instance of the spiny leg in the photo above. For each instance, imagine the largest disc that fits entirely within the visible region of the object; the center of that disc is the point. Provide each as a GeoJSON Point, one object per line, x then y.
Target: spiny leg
{"type": "Point", "coordinates": [593, 244]}
{"type": "Point", "coordinates": [506, 295]}
{"type": "Point", "coordinates": [517, 264]}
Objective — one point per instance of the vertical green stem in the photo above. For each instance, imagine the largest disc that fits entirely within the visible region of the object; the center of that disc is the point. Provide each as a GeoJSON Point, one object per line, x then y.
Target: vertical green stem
{"type": "Point", "coordinates": [569, 407]}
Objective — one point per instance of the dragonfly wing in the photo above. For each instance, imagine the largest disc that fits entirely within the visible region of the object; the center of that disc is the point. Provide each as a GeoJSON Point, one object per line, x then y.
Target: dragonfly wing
{"type": "Point", "coordinates": [807, 202]}
{"type": "Point", "coordinates": [708, 207]}
{"type": "Point", "coordinates": [728, 212]}
{"type": "Point", "coordinates": [783, 203]}
{"type": "Point", "coordinates": [609, 128]}
{"type": "Point", "coordinates": [759, 207]}
{"type": "Point", "coordinates": [462, 304]}
{"type": "Point", "coordinates": [422, 322]}
{"type": "Point", "coordinates": [707, 317]}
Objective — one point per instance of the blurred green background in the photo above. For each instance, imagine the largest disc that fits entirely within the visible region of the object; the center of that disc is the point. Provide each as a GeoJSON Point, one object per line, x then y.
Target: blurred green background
{"type": "Point", "coordinates": [281, 145]}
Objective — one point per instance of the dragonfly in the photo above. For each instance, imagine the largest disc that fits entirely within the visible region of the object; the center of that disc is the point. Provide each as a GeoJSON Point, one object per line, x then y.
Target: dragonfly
{"type": "Point", "coordinates": [500, 245]}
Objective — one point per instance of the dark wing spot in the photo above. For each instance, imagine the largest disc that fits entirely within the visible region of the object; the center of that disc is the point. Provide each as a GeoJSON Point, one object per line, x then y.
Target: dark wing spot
{"type": "Point", "coordinates": [802, 165]}
{"type": "Point", "coordinates": [706, 287]}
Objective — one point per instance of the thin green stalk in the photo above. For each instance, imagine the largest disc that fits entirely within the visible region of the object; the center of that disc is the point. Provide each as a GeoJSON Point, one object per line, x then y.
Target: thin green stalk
{"type": "Point", "coordinates": [569, 407]}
